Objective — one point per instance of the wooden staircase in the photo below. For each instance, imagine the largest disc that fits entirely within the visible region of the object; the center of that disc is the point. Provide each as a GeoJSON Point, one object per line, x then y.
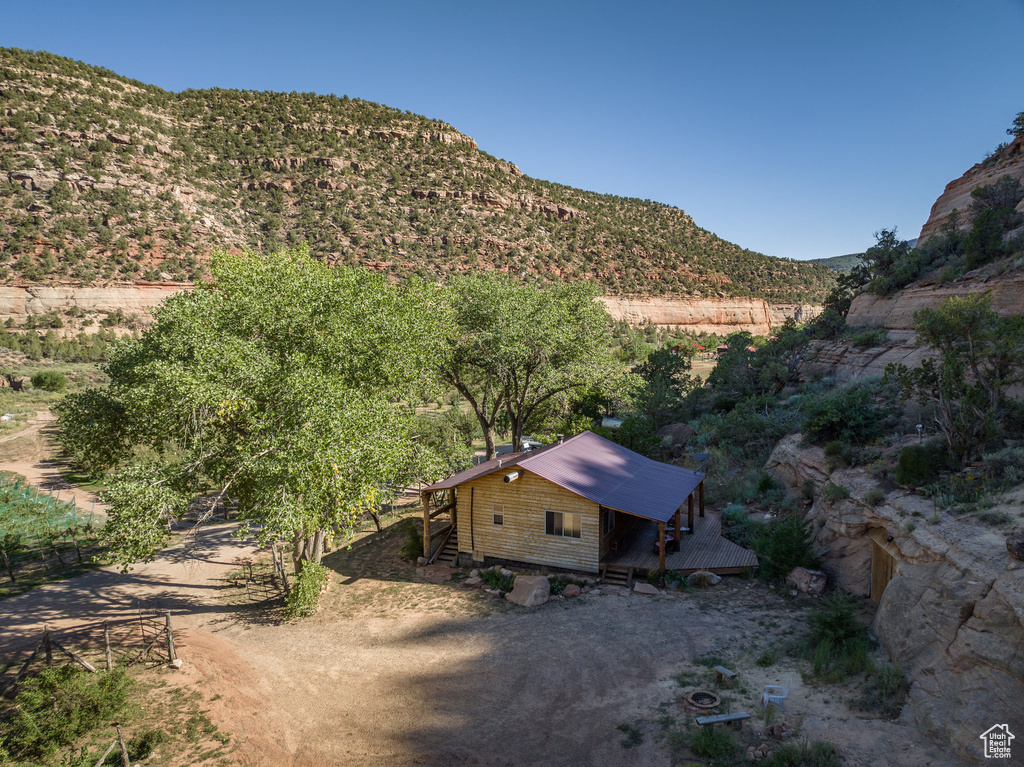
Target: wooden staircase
{"type": "Point", "coordinates": [450, 551]}
{"type": "Point", "coordinates": [617, 575]}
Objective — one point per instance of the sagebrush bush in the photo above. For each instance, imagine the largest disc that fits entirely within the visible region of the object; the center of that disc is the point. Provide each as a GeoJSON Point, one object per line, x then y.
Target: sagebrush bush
{"type": "Point", "coordinates": [493, 579]}
{"type": "Point", "coordinates": [920, 464]}
{"type": "Point", "coordinates": [874, 496]}
{"type": "Point", "coordinates": [51, 711]}
{"type": "Point", "coordinates": [412, 546]}
{"type": "Point", "coordinates": [716, 745]}
{"type": "Point", "coordinates": [734, 514]}
{"type": "Point", "coordinates": [834, 492]}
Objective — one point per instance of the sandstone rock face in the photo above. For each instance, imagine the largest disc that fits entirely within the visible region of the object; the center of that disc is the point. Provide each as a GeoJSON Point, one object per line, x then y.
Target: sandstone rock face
{"type": "Point", "coordinates": [529, 591]}
{"type": "Point", "coordinates": [897, 312]}
{"type": "Point", "coordinates": [708, 315]}
{"type": "Point", "coordinates": [952, 617]}
{"type": "Point", "coordinates": [842, 362]}
{"type": "Point", "coordinates": [957, 194]}
{"type": "Point", "coordinates": [19, 302]}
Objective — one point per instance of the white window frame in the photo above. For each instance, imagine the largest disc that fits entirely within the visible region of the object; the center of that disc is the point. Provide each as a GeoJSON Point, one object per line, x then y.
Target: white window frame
{"type": "Point", "coordinates": [498, 514]}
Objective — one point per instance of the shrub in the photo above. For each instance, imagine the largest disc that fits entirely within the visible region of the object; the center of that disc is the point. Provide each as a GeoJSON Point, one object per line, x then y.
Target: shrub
{"type": "Point", "coordinates": [734, 514]}
{"type": "Point", "coordinates": [919, 464]}
{"type": "Point", "coordinates": [304, 597]}
{"type": "Point", "coordinates": [849, 415]}
{"type": "Point", "coordinates": [870, 337]}
{"type": "Point", "coordinates": [782, 544]}
{"type": "Point", "coordinates": [49, 380]}
{"type": "Point", "coordinates": [839, 642]}
{"type": "Point", "coordinates": [412, 548]}
{"type": "Point", "coordinates": [54, 709]}
{"type": "Point", "coordinates": [634, 737]}
{"type": "Point", "coordinates": [493, 579]}
{"type": "Point", "coordinates": [816, 754]}
{"type": "Point", "coordinates": [716, 745]}
{"type": "Point", "coordinates": [874, 496]}
{"type": "Point", "coordinates": [834, 492]}
{"type": "Point", "coordinates": [766, 659]}
{"type": "Point", "coordinates": [885, 692]}
{"type": "Point", "coordinates": [559, 582]}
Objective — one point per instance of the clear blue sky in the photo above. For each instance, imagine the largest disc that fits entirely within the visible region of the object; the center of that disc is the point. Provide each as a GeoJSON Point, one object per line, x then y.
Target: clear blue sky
{"type": "Point", "coordinates": [793, 128]}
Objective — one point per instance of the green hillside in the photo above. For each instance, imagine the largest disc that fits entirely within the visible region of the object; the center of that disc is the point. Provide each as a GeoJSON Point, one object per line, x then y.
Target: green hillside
{"type": "Point", "coordinates": [841, 264]}
{"type": "Point", "coordinates": [104, 178]}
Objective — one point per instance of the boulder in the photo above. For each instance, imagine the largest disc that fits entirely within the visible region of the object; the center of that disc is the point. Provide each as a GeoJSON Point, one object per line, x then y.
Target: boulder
{"type": "Point", "coordinates": [1015, 545]}
{"type": "Point", "coordinates": [570, 591]}
{"type": "Point", "coordinates": [474, 573]}
{"type": "Point", "coordinates": [530, 591]}
{"type": "Point", "coordinates": [644, 588]}
{"type": "Point", "coordinates": [421, 561]}
{"type": "Point", "coordinates": [473, 581]}
{"type": "Point", "coordinates": [702, 579]}
{"type": "Point", "coordinates": [807, 581]}
{"type": "Point", "coordinates": [506, 573]}
{"type": "Point", "coordinates": [674, 437]}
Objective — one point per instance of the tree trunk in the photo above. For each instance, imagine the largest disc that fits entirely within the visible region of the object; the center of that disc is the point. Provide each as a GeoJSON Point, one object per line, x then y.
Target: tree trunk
{"type": "Point", "coordinates": [307, 548]}
{"type": "Point", "coordinates": [490, 436]}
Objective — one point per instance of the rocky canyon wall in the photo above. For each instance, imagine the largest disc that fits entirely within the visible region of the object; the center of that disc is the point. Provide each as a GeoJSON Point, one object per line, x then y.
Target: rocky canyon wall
{"type": "Point", "coordinates": [709, 315]}
{"type": "Point", "coordinates": [957, 194]}
{"type": "Point", "coordinates": [18, 303]}
{"type": "Point", "coordinates": [952, 616]}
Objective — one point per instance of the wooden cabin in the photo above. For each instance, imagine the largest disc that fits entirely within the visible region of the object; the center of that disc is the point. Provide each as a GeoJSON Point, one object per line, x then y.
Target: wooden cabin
{"type": "Point", "coordinates": [578, 505]}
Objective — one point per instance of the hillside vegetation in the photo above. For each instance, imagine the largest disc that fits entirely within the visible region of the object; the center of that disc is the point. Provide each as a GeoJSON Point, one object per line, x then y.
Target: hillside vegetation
{"type": "Point", "coordinates": [106, 178]}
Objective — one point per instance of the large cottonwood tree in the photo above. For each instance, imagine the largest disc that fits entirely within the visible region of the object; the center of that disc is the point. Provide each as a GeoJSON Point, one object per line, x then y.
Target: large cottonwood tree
{"type": "Point", "coordinates": [517, 347]}
{"type": "Point", "coordinates": [281, 384]}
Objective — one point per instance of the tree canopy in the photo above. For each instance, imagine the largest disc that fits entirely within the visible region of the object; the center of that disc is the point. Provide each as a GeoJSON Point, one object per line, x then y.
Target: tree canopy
{"type": "Point", "coordinates": [517, 349]}
{"type": "Point", "coordinates": [280, 384]}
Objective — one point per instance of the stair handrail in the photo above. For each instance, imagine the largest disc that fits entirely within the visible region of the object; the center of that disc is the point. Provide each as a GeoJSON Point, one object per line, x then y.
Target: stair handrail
{"type": "Point", "coordinates": [444, 542]}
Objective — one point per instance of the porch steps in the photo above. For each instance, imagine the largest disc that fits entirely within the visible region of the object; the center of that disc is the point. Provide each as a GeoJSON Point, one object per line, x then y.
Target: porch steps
{"type": "Point", "coordinates": [450, 550]}
{"type": "Point", "coordinates": [617, 575]}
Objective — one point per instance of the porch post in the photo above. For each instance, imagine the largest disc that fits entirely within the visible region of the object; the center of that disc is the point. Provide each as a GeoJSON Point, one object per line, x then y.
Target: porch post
{"type": "Point", "coordinates": [661, 548]}
{"type": "Point", "coordinates": [689, 511]}
{"type": "Point", "coordinates": [426, 523]}
{"type": "Point", "coordinates": [679, 519]}
{"type": "Point", "coordinates": [455, 509]}
{"type": "Point", "coordinates": [702, 497]}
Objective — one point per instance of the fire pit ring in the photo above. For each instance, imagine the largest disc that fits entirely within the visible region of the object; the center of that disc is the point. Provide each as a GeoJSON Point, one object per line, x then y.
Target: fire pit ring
{"type": "Point", "coordinates": [703, 699]}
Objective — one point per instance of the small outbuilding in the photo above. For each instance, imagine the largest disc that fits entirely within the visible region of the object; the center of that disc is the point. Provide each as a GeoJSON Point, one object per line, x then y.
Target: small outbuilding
{"type": "Point", "coordinates": [582, 504]}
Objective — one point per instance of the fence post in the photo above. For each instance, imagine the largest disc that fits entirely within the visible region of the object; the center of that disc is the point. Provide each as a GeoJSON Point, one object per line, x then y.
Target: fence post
{"type": "Point", "coordinates": [106, 644]}
{"type": "Point", "coordinates": [49, 649]}
{"type": "Point", "coordinates": [125, 762]}
{"type": "Point", "coordinates": [170, 639]}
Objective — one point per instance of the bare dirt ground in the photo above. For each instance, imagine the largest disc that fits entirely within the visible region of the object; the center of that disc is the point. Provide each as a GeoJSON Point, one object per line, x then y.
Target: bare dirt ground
{"type": "Point", "coordinates": [398, 670]}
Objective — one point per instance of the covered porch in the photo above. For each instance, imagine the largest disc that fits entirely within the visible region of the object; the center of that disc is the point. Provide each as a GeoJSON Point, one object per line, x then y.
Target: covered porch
{"type": "Point", "coordinates": [703, 549]}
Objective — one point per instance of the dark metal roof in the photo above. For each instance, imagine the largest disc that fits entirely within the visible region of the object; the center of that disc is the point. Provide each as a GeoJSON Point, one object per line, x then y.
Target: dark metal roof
{"type": "Point", "coordinates": [600, 471]}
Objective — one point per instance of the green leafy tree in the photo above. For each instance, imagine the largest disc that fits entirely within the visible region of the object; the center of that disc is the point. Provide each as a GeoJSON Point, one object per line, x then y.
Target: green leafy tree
{"type": "Point", "coordinates": [278, 384]}
{"type": "Point", "coordinates": [980, 356]}
{"type": "Point", "coordinates": [517, 347]}
{"type": "Point", "coordinates": [666, 383]}
{"type": "Point", "coordinates": [1017, 129]}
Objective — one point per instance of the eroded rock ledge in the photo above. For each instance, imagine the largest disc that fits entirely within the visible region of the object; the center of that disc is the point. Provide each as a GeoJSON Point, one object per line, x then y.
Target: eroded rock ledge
{"type": "Point", "coordinates": [952, 616]}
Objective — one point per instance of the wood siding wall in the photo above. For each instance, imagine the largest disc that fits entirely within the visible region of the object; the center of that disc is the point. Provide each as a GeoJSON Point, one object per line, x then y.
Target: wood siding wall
{"type": "Point", "coordinates": [522, 537]}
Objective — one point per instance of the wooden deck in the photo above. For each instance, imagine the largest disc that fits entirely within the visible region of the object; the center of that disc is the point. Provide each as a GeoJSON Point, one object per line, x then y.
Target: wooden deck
{"type": "Point", "coordinates": [706, 549]}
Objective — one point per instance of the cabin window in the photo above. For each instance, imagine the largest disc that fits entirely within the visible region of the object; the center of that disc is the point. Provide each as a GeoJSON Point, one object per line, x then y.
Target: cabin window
{"type": "Point", "coordinates": [607, 520]}
{"type": "Point", "coordinates": [559, 523]}
{"type": "Point", "coordinates": [499, 514]}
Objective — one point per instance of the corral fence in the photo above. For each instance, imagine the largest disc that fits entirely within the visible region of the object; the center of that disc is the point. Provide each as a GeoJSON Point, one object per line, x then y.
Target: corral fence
{"type": "Point", "coordinates": [37, 526]}
{"type": "Point", "coordinates": [102, 647]}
